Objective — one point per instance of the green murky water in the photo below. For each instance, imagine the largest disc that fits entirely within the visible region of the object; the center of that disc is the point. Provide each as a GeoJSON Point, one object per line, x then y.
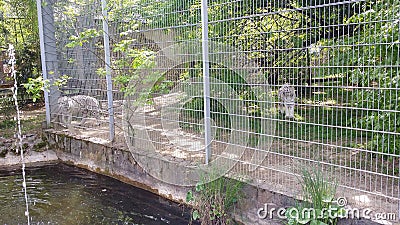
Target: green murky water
{"type": "Point", "coordinates": [61, 194]}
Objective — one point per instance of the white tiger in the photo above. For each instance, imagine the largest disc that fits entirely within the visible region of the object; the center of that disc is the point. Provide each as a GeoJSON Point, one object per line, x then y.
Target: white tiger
{"type": "Point", "coordinates": [79, 106]}
{"type": "Point", "coordinates": [287, 97]}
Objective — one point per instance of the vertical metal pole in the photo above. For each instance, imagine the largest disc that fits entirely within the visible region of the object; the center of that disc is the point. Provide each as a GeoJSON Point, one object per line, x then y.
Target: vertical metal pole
{"type": "Point", "coordinates": [108, 69]}
{"type": "Point", "coordinates": [43, 59]}
{"type": "Point", "coordinates": [398, 177]}
{"type": "Point", "coordinates": [206, 81]}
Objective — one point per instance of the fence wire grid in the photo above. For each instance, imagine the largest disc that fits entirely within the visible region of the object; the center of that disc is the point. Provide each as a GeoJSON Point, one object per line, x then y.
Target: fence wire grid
{"type": "Point", "coordinates": [339, 60]}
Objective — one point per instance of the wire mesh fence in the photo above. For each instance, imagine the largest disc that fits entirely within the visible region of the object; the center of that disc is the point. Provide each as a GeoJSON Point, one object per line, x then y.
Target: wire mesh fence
{"type": "Point", "coordinates": [74, 53]}
{"type": "Point", "coordinates": [287, 85]}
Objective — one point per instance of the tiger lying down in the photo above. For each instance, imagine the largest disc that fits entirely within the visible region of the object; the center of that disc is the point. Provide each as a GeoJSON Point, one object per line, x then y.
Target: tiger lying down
{"type": "Point", "coordinates": [82, 107]}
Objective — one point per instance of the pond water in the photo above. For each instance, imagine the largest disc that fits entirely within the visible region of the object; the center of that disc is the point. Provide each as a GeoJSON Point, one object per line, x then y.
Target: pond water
{"type": "Point", "coordinates": [61, 194]}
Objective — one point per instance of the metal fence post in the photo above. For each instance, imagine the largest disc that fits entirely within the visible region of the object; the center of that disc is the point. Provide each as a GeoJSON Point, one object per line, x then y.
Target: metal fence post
{"type": "Point", "coordinates": [108, 69]}
{"type": "Point", "coordinates": [43, 59]}
{"type": "Point", "coordinates": [48, 53]}
{"type": "Point", "coordinates": [206, 81]}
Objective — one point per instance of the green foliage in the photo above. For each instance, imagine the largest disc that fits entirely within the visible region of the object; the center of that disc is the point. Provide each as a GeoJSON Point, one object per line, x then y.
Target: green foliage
{"type": "Point", "coordinates": [380, 80]}
{"type": "Point", "coordinates": [152, 12]}
{"type": "Point", "coordinates": [317, 189]}
{"type": "Point", "coordinates": [59, 82]}
{"type": "Point", "coordinates": [133, 69]}
{"type": "Point", "coordinates": [82, 38]}
{"type": "Point", "coordinates": [36, 86]}
{"type": "Point", "coordinates": [318, 207]}
{"type": "Point", "coordinates": [27, 64]}
{"type": "Point", "coordinates": [7, 123]}
{"type": "Point", "coordinates": [214, 198]}
{"type": "Point", "coordinates": [18, 26]}
{"type": "Point", "coordinates": [7, 108]}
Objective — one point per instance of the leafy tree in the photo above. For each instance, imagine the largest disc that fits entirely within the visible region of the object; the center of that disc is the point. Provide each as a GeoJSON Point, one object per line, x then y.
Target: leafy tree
{"type": "Point", "coordinates": [18, 26]}
{"type": "Point", "coordinates": [375, 71]}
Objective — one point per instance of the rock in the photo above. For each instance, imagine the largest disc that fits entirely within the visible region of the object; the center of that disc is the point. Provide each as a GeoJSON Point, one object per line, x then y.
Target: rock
{"type": "Point", "coordinates": [30, 142]}
{"type": "Point", "coordinates": [3, 151]}
{"type": "Point", "coordinates": [40, 146]}
{"type": "Point", "coordinates": [2, 141]}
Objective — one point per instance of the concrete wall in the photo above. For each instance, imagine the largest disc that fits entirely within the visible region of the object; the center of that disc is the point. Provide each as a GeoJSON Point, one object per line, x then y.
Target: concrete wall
{"type": "Point", "coordinates": [119, 163]}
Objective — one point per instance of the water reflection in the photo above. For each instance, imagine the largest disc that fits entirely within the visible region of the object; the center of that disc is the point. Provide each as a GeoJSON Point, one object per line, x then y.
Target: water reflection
{"type": "Point", "coordinates": [61, 194]}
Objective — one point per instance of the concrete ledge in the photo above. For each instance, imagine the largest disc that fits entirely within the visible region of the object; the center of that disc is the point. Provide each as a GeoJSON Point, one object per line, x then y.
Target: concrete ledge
{"type": "Point", "coordinates": [31, 158]}
{"type": "Point", "coordinates": [115, 162]}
